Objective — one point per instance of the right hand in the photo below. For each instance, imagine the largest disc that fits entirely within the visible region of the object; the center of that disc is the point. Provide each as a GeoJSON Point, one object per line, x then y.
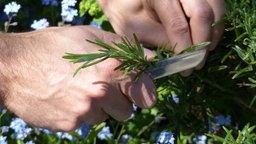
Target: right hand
{"type": "Point", "coordinates": [42, 91]}
{"type": "Point", "coordinates": [179, 23]}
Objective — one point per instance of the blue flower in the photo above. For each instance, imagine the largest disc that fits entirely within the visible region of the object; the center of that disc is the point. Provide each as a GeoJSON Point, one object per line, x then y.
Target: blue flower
{"type": "Point", "coordinates": [221, 120]}
{"type": "Point", "coordinates": [42, 23]}
{"type": "Point", "coordinates": [67, 3]}
{"type": "Point", "coordinates": [175, 98]}
{"type": "Point", "coordinates": [218, 122]}
{"type": "Point", "coordinates": [11, 7]}
{"type": "Point", "coordinates": [82, 131]}
{"type": "Point", "coordinates": [212, 127]}
{"type": "Point", "coordinates": [94, 24]}
{"type": "Point", "coordinates": [20, 128]}
{"type": "Point", "coordinates": [105, 133]}
{"type": "Point", "coordinates": [134, 107]}
{"type": "Point", "coordinates": [132, 116]}
{"type": "Point", "coordinates": [125, 139]}
{"type": "Point", "coordinates": [200, 139]}
{"type": "Point", "coordinates": [227, 122]}
{"type": "Point", "coordinates": [4, 129]}
{"type": "Point", "coordinates": [3, 140]}
{"type": "Point", "coordinates": [30, 142]}
{"type": "Point", "coordinates": [85, 130]}
{"type": "Point", "coordinates": [50, 2]}
{"type": "Point", "coordinates": [65, 135]}
{"type": "Point", "coordinates": [1, 109]}
{"type": "Point", "coordinates": [68, 14]}
{"type": "Point", "coordinates": [46, 131]}
{"type": "Point", "coordinates": [166, 138]}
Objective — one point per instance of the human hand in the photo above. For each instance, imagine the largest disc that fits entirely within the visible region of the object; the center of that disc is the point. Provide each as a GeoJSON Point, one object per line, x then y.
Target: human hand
{"type": "Point", "coordinates": [41, 90]}
{"type": "Point", "coordinates": [177, 22]}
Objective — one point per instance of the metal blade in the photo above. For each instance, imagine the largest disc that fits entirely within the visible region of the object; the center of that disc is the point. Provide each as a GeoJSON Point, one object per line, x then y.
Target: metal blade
{"type": "Point", "coordinates": [177, 63]}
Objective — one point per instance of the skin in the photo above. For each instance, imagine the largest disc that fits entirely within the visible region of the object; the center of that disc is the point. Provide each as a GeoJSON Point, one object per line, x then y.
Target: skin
{"type": "Point", "coordinates": [181, 23]}
{"type": "Point", "coordinates": [36, 83]}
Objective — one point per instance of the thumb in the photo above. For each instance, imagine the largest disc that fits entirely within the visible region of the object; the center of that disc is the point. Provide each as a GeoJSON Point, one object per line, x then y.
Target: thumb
{"type": "Point", "coordinates": [143, 91]}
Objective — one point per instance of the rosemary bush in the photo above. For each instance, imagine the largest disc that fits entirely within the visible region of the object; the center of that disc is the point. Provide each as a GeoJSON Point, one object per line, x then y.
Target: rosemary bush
{"type": "Point", "coordinates": [216, 104]}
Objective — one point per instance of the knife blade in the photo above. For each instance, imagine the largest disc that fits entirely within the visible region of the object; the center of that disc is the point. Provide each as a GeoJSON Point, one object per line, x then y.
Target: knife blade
{"type": "Point", "coordinates": [177, 63]}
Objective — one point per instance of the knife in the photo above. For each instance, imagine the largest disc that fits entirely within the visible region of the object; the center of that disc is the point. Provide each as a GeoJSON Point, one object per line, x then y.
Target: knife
{"type": "Point", "coordinates": [177, 63]}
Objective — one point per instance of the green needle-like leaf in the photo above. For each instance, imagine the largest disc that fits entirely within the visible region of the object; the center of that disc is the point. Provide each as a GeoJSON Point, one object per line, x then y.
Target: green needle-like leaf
{"type": "Point", "coordinates": [196, 46]}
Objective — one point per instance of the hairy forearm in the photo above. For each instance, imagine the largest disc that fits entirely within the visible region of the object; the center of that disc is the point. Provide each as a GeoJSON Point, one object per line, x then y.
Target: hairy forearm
{"type": "Point", "coordinates": [2, 46]}
{"type": "Point", "coordinates": [10, 47]}
{"type": "Point", "coordinates": [3, 67]}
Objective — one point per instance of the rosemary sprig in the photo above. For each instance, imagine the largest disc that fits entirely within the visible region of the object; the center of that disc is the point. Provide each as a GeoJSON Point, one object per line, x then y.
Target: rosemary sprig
{"type": "Point", "coordinates": [131, 55]}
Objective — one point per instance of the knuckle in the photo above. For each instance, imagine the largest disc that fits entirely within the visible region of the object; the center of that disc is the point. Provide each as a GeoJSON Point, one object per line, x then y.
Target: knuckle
{"type": "Point", "coordinates": [84, 107]}
{"type": "Point", "coordinates": [178, 25]}
{"type": "Point", "coordinates": [82, 110]}
{"type": "Point", "coordinates": [109, 67]}
{"type": "Point", "coordinates": [204, 14]}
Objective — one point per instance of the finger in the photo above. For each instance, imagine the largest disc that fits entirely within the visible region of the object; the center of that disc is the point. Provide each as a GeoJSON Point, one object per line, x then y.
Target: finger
{"type": "Point", "coordinates": [82, 102]}
{"type": "Point", "coordinates": [174, 21]}
{"type": "Point", "coordinates": [141, 20]}
{"type": "Point", "coordinates": [94, 115]}
{"type": "Point", "coordinates": [109, 97]}
{"type": "Point", "coordinates": [200, 66]}
{"type": "Point", "coordinates": [186, 72]}
{"type": "Point", "coordinates": [152, 35]}
{"type": "Point", "coordinates": [219, 11]}
{"type": "Point", "coordinates": [142, 92]}
{"type": "Point", "coordinates": [115, 104]}
{"type": "Point", "coordinates": [201, 18]}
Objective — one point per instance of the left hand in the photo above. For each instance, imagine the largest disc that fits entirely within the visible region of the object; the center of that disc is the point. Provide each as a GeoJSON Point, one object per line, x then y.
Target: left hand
{"type": "Point", "coordinates": [36, 83]}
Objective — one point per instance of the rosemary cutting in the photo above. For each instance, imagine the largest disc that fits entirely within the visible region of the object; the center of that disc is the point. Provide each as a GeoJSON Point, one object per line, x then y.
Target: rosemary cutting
{"type": "Point", "coordinates": [131, 55]}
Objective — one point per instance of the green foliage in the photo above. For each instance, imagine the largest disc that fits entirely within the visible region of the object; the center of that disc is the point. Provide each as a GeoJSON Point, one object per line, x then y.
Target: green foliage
{"type": "Point", "coordinates": [90, 6]}
{"type": "Point", "coordinates": [246, 136]}
{"type": "Point", "coordinates": [93, 9]}
{"type": "Point", "coordinates": [242, 22]}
